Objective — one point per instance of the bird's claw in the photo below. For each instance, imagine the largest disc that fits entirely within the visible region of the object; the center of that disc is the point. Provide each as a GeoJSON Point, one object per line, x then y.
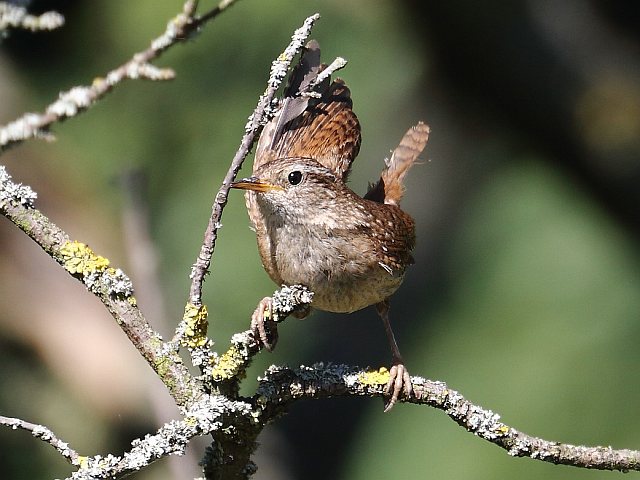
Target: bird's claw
{"type": "Point", "coordinates": [399, 381]}
{"type": "Point", "coordinates": [263, 326]}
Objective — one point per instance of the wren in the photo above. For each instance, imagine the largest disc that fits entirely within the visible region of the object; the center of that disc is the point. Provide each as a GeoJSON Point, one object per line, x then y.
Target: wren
{"type": "Point", "coordinates": [311, 228]}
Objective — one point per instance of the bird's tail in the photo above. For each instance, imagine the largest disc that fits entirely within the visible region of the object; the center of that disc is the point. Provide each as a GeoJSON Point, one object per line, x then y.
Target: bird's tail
{"type": "Point", "coordinates": [390, 188]}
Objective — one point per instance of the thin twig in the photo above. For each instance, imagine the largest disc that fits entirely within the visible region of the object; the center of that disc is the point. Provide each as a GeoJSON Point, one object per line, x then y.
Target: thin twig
{"type": "Point", "coordinates": [208, 414]}
{"type": "Point", "coordinates": [214, 12]}
{"type": "Point", "coordinates": [258, 118]}
{"type": "Point", "coordinates": [333, 67]}
{"type": "Point", "coordinates": [14, 16]}
{"type": "Point", "coordinates": [78, 99]}
{"type": "Point", "coordinates": [44, 434]}
{"type": "Point", "coordinates": [281, 386]}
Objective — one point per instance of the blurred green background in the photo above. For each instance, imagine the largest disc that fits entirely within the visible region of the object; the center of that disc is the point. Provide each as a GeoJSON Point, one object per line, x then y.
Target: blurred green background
{"type": "Point", "coordinates": [525, 292]}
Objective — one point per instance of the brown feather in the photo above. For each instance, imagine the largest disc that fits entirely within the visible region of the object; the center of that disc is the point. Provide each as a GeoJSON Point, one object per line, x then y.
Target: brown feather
{"type": "Point", "coordinates": [325, 128]}
{"type": "Point", "coordinates": [390, 187]}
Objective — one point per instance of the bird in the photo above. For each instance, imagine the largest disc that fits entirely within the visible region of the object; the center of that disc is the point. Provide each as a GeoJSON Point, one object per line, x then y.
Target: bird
{"type": "Point", "coordinates": [311, 228]}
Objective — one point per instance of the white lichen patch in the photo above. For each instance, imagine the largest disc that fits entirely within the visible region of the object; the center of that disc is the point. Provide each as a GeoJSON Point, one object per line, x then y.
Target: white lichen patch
{"type": "Point", "coordinates": [15, 193]}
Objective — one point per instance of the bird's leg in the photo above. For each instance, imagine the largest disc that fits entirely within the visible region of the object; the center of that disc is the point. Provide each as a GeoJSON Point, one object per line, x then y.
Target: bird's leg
{"type": "Point", "coordinates": [399, 378]}
{"type": "Point", "coordinates": [263, 326]}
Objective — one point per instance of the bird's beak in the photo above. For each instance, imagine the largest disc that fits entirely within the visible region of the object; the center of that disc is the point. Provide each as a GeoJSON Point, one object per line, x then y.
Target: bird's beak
{"type": "Point", "coordinates": [255, 184]}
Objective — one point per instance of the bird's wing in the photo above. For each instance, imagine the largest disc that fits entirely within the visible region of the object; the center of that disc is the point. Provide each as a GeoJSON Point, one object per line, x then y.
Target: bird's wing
{"type": "Point", "coordinates": [324, 129]}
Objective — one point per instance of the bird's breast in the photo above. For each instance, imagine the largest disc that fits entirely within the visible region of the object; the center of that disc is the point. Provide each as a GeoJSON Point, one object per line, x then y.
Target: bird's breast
{"type": "Point", "coordinates": [346, 272]}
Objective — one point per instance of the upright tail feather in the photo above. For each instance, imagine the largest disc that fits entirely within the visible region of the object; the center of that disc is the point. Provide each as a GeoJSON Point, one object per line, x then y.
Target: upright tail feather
{"type": "Point", "coordinates": [390, 188]}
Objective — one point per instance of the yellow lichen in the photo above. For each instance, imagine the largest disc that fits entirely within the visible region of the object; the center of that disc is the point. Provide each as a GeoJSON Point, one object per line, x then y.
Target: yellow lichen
{"type": "Point", "coordinates": [98, 82]}
{"type": "Point", "coordinates": [374, 377]}
{"type": "Point", "coordinates": [228, 364]}
{"type": "Point", "coordinates": [191, 421]}
{"type": "Point", "coordinates": [196, 324]}
{"type": "Point", "coordinates": [79, 258]}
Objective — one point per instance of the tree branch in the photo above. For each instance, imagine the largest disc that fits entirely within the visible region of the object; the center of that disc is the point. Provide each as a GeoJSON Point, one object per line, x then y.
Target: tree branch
{"type": "Point", "coordinates": [78, 99]}
{"type": "Point", "coordinates": [109, 284]}
{"type": "Point", "coordinates": [44, 434]}
{"type": "Point", "coordinates": [207, 415]}
{"type": "Point", "coordinates": [232, 365]}
{"type": "Point", "coordinates": [258, 118]}
{"type": "Point", "coordinates": [13, 16]}
{"type": "Point", "coordinates": [234, 422]}
{"type": "Point", "coordinates": [281, 386]}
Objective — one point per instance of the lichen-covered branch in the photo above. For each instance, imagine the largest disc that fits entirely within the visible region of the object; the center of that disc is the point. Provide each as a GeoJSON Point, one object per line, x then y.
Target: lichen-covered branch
{"type": "Point", "coordinates": [44, 434]}
{"type": "Point", "coordinates": [207, 415]}
{"type": "Point", "coordinates": [278, 389]}
{"type": "Point", "coordinates": [14, 16]}
{"type": "Point", "coordinates": [211, 404]}
{"type": "Point", "coordinates": [282, 386]}
{"type": "Point", "coordinates": [111, 285]}
{"type": "Point", "coordinates": [225, 375]}
{"type": "Point", "coordinates": [258, 118]}
{"type": "Point", "coordinates": [231, 366]}
{"type": "Point", "coordinates": [78, 99]}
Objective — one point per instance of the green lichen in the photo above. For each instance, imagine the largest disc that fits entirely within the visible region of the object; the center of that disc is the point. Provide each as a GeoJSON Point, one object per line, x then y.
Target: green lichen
{"type": "Point", "coordinates": [195, 326]}
{"type": "Point", "coordinates": [77, 258]}
{"type": "Point", "coordinates": [23, 222]}
{"type": "Point", "coordinates": [161, 366]}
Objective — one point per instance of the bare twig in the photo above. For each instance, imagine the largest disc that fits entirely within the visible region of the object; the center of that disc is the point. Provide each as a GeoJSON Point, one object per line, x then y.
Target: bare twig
{"type": "Point", "coordinates": [44, 434]}
{"type": "Point", "coordinates": [258, 118]}
{"type": "Point", "coordinates": [281, 386]}
{"type": "Point", "coordinates": [13, 16]}
{"type": "Point", "coordinates": [78, 99]}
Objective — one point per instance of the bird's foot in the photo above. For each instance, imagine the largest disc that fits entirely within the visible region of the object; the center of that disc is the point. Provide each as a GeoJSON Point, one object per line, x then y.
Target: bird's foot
{"type": "Point", "coordinates": [399, 381]}
{"type": "Point", "coordinates": [263, 325]}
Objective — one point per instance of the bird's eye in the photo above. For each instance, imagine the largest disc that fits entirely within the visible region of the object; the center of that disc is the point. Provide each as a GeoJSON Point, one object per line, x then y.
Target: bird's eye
{"type": "Point", "coordinates": [295, 177]}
